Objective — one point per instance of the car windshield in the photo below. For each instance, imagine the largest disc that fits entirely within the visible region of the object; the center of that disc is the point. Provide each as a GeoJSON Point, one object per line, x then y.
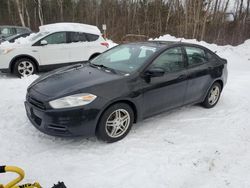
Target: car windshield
{"type": "Point", "coordinates": [5, 31]}
{"type": "Point", "coordinates": [38, 36]}
{"type": "Point", "coordinates": [125, 58]}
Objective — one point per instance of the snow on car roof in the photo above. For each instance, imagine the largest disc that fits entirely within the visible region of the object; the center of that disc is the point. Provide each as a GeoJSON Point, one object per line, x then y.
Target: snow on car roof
{"type": "Point", "coordinates": [70, 27]}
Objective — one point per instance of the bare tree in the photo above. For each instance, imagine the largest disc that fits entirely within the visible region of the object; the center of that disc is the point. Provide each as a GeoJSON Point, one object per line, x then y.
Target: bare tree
{"type": "Point", "coordinates": [60, 4]}
{"type": "Point", "coordinates": [20, 11]}
{"type": "Point", "coordinates": [40, 12]}
{"type": "Point", "coordinates": [200, 19]}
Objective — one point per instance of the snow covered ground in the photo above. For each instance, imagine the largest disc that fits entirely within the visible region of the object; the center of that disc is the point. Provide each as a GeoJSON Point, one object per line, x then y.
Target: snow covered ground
{"type": "Point", "coordinates": [186, 148]}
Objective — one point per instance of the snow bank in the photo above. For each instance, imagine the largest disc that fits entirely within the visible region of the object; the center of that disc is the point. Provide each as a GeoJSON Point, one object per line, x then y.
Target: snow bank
{"type": "Point", "coordinates": [77, 27]}
{"type": "Point", "coordinates": [111, 43]}
{"type": "Point", "coordinates": [231, 53]}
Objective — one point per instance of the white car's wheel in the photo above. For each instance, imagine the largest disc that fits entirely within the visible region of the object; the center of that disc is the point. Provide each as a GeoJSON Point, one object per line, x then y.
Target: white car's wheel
{"type": "Point", "coordinates": [24, 67]}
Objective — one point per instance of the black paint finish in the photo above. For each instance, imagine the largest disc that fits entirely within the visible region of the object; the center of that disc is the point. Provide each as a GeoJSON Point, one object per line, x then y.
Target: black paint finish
{"type": "Point", "coordinates": [147, 95]}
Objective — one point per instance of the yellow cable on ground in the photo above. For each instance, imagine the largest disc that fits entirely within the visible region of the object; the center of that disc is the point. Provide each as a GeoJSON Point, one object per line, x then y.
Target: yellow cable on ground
{"type": "Point", "coordinates": [17, 170]}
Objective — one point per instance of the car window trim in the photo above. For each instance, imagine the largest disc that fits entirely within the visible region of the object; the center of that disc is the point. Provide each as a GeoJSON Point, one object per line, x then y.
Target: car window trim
{"type": "Point", "coordinates": [37, 43]}
{"type": "Point", "coordinates": [194, 46]}
{"type": "Point", "coordinates": [160, 53]}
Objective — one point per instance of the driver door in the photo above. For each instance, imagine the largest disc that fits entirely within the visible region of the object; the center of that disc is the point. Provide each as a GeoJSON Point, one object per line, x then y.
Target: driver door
{"type": "Point", "coordinates": [168, 91]}
{"type": "Point", "coordinates": [55, 51]}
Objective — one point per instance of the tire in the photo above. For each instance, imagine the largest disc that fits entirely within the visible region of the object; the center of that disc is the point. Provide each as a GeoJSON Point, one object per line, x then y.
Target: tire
{"type": "Point", "coordinates": [213, 96]}
{"type": "Point", "coordinates": [24, 67]}
{"type": "Point", "coordinates": [112, 127]}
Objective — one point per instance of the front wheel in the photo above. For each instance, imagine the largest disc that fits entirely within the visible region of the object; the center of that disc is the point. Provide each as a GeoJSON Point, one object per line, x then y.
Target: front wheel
{"type": "Point", "coordinates": [213, 96]}
{"type": "Point", "coordinates": [115, 123]}
{"type": "Point", "coordinates": [24, 67]}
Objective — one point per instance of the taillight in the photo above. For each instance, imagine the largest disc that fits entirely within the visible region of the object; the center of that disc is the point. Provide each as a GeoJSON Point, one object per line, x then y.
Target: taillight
{"type": "Point", "coordinates": [105, 44]}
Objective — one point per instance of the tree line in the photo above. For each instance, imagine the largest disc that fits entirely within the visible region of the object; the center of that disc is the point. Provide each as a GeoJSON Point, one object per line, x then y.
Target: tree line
{"type": "Point", "coordinates": [213, 21]}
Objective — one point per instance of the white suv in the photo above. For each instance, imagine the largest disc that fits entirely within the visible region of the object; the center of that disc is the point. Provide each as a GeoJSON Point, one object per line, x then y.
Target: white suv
{"type": "Point", "coordinates": [53, 46]}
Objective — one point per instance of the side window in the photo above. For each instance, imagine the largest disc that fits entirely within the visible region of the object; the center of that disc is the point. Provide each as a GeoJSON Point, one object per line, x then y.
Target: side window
{"type": "Point", "coordinates": [13, 31]}
{"type": "Point", "coordinates": [171, 60]}
{"type": "Point", "coordinates": [56, 38]}
{"type": "Point", "coordinates": [196, 56]}
{"type": "Point", "coordinates": [211, 57]}
{"type": "Point", "coordinates": [77, 37]}
{"type": "Point", "coordinates": [92, 37]}
{"type": "Point", "coordinates": [21, 30]}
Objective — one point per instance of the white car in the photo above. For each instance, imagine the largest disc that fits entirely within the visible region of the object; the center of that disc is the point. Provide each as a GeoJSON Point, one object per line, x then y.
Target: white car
{"type": "Point", "coordinates": [53, 46]}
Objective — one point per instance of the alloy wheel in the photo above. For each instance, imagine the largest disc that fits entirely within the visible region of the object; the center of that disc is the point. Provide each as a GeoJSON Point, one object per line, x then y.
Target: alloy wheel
{"type": "Point", "coordinates": [214, 95]}
{"type": "Point", "coordinates": [117, 123]}
{"type": "Point", "coordinates": [25, 68]}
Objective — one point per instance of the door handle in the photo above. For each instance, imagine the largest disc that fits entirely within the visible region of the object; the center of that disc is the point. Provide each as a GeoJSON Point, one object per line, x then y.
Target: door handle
{"type": "Point", "coordinates": [182, 77]}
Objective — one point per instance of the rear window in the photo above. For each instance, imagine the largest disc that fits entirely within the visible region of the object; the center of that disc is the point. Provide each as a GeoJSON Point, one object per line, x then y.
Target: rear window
{"type": "Point", "coordinates": [92, 37]}
{"type": "Point", "coordinates": [211, 57]}
{"type": "Point", "coordinates": [78, 37]}
{"type": "Point", "coordinates": [82, 37]}
{"type": "Point", "coordinates": [196, 56]}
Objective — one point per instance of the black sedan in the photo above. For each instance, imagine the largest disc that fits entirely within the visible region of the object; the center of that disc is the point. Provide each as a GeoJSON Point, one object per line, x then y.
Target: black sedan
{"type": "Point", "coordinates": [122, 86]}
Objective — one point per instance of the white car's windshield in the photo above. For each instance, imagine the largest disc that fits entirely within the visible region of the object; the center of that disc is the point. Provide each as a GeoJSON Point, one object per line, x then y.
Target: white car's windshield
{"type": "Point", "coordinates": [38, 35]}
{"type": "Point", "coordinates": [125, 58]}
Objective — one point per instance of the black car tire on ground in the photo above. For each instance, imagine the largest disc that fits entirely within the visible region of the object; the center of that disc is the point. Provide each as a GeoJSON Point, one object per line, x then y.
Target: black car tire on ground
{"type": "Point", "coordinates": [28, 66]}
{"type": "Point", "coordinates": [207, 102]}
{"type": "Point", "coordinates": [103, 130]}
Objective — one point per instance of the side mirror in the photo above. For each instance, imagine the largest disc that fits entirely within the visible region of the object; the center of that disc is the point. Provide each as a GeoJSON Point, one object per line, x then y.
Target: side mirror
{"type": "Point", "coordinates": [155, 72]}
{"type": "Point", "coordinates": [43, 42]}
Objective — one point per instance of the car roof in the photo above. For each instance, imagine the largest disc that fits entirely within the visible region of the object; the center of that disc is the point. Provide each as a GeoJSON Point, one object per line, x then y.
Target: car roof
{"type": "Point", "coordinates": [164, 44]}
{"type": "Point", "coordinates": [74, 27]}
{"type": "Point", "coordinates": [13, 26]}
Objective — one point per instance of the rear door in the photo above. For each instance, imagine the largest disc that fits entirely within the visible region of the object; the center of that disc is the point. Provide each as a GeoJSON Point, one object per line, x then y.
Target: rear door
{"type": "Point", "coordinates": [78, 47]}
{"type": "Point", "coordinates": [198, 73]}
{"type": "Point", "coordinates": [83, 45]}
{"type": "Point", "coordinates": [168, 91]}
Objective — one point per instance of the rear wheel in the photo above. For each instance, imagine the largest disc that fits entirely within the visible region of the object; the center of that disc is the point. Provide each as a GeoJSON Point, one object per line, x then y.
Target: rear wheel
{"type": "Point", "coordinates": [213, 96]}
{"type": "Point", "coordinates": [24, 67]}
{"type": "Point", "coordinates": [115, 123]}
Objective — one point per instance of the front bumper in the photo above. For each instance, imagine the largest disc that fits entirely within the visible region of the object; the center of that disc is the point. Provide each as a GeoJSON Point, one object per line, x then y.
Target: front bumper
{"type": "Point", "coordinates": [5, 61]}
{"type": "Point", "coordinates": [63, 122]}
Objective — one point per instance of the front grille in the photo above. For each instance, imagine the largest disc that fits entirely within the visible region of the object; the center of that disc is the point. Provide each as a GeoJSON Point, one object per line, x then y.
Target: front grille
{"type": "Point", "coordinates": [36, 102]}
{"type": "Point", "coordinates": [57, 128]}
{"type": "Point", "coordinates": [37, 120]}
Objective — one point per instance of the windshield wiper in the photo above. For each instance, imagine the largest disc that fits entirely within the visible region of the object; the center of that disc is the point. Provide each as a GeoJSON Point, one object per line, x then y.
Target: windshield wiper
{"type": "Point", "coordinates": [104, 67]}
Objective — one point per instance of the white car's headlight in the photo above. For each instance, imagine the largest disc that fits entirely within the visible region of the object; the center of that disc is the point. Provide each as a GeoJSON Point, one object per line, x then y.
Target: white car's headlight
{"type": "Point", "coordinates": [5, 51]}
{"type": "Point", "coordinates": [73, 101]}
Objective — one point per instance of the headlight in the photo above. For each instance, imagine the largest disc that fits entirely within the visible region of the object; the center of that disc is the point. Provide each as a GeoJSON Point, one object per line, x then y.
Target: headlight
{"type": "Point", "coordinates": [5, 51]}
{"type": "Point", "coordinates": [73, 101]}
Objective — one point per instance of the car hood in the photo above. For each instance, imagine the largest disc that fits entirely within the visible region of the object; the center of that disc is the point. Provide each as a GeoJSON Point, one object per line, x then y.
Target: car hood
{"type": "Point", "coordinates": [6, 44]}
{"type": "Point", "coordinates": [70, 80]}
